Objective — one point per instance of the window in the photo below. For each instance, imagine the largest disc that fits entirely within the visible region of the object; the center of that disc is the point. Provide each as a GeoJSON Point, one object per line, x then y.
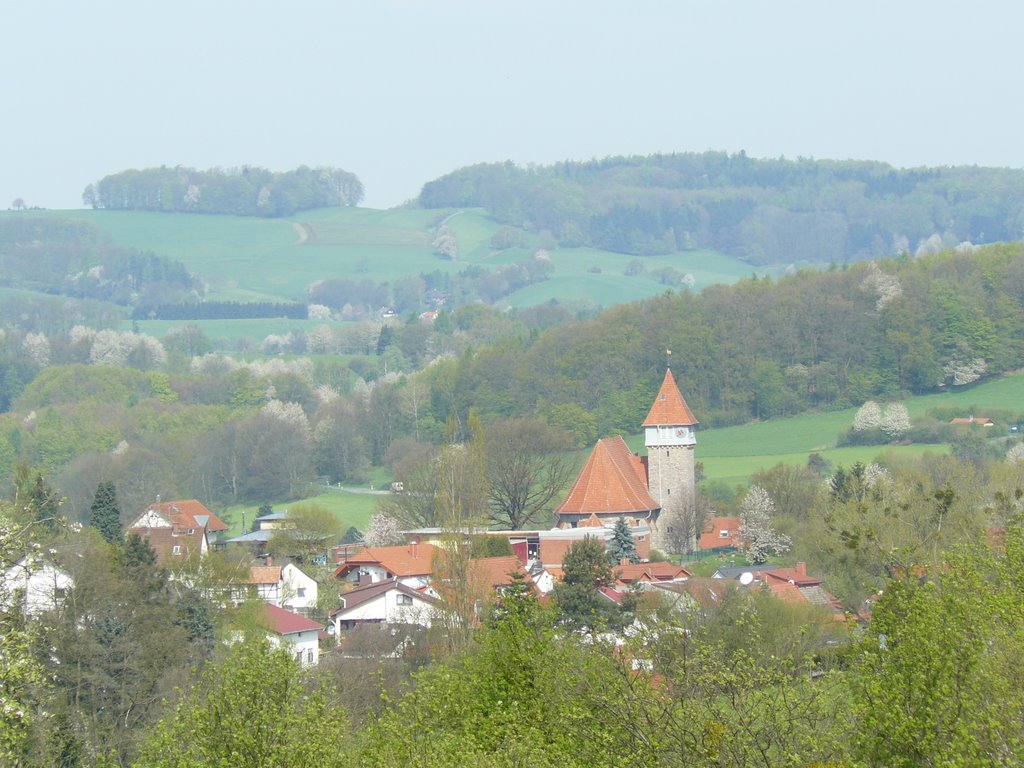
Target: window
{"type": "Point", "coordinates": [176, 550]}
{"type": "Point", "coordinates": [191, 531]}
{"type": "Point", "coordinates": [405, 599]}
{"type": "Point", "coordinates": [668, 492]}
{"type": "Point", "coordinates": [302, 591]}
{"type": "Point", "coordinates": [309, 656]}
{"type": "Point", "coordinates": [723, 534]}
{"type": "Point", "coordinates": [640, 538]}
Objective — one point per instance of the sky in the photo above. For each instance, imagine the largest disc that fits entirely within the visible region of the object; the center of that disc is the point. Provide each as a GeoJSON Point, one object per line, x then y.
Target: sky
{"type": "Point", "coordinates": [401, 92]}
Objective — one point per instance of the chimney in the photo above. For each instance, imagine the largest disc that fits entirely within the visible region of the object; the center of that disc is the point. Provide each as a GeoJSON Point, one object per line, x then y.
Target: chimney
{"type": "Point", "coordinates": [624, 561]}
{"type": "Point", "coordinates": [801, 569]}
{"type": "Point", "coordinates": [270, 559]}
{"type": "Point", "coordinates": [414, 547]}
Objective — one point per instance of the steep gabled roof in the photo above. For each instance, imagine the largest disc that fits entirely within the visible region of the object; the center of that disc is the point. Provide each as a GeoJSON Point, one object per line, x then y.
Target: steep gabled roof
{"type": "Point", "coordinates": [669, 406]}
{"type": "Point", "coordinates": [364, 594]}
{"type": "Point", "coordinates": [402, 561]}
{"type": "Point", "coordinates": [612, 481]}
{"type": "Point", "coordinates": [187, 513]}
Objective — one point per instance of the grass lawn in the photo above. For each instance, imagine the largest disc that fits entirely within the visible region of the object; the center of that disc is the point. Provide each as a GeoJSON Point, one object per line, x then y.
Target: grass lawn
{"type": "Point", "coordinates": [350, 509]}
{"type": "Point", "coordinates": [251, 259]}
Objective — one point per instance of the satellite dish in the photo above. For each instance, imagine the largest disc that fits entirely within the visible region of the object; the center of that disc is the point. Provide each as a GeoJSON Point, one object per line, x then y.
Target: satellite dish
{"type": "Point", "coordinates": [746, 578]}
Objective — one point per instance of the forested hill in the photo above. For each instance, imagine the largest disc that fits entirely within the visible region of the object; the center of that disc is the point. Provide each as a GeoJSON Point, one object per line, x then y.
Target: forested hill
{"type": "Point", "coordinates": [764, 211]}
{"type": "Point", "coordinates": [760, 349]}
{"type": "Point", "coordinates": [246, 191]}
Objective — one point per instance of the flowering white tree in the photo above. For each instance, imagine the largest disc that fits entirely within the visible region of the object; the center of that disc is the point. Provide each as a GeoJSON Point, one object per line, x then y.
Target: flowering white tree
{"type": "Point", "coordinates": [383, 531]}
{"type": "Point", "coordinates": [445, 243]}
{"type": "Point", "coordinates": [37, 347]}
{"type": "Point", "coordinates": [869, 416]}
{"type": "Point", "coordinates": [318, 312]}
{"type": "Point", "coordinates": [886, 287]}
{"type": "Point", "coordinates": [320, 340]}
{"type": "Point", "coordinates": [290, 413]}
{"type": "Point", "coordinates": [896, 421]}
{"type": "Point", "coordinates": [760, 539]}
{"type": "Point", "coordinates": [959, 372]}
{"type": "Point", "coordinates": [1016, 453]}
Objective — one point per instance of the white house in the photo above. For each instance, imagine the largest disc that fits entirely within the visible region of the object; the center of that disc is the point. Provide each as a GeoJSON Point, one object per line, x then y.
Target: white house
{"type": "Point", "coordinates": [286, 587]}
{"type": "Point", "coordinates": [295, 633]}
{"type": "Point", "coordinates": [383, 602]}
{"type": "Point", "coordinates": [37, 587]}
{"type": "Point", "coordinates": [298, 591]}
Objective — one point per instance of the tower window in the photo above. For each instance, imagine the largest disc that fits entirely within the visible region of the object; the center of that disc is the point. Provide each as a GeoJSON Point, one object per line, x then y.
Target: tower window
{"type": "Point", "coordinates": [668, 492]}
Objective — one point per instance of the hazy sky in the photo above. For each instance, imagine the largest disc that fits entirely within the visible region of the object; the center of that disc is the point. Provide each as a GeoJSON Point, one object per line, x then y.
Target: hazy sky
{"type": "Point", "coordinates": [403, 91]}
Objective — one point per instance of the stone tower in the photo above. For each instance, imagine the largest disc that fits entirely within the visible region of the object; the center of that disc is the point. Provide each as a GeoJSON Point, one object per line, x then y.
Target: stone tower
{"type": "Point", "coordinates": [670, 437]}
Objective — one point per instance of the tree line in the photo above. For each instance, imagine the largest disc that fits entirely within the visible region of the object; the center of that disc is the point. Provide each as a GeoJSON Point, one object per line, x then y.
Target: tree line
{"type": "Point", "coordinates": [245, 191]}
{"type": "Point", "coordinates": [220, 310]}
{"type": "Point", "coordinates": [73, 258]}
{"type": "Point", "coordinates": [766, 211]}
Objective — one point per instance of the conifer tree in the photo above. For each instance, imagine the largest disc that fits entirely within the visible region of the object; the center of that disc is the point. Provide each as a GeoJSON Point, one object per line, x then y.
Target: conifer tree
{"type": "Point", "coordinates": [622, 547]}
{"type": "Point", "coordinates": [104, 514]}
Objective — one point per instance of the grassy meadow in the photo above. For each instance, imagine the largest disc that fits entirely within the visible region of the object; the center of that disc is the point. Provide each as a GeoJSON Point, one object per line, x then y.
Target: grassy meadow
{"type": "Point", "coordinates": [250, 259]}
{"type": "Point", "coordinates": [350, 509]}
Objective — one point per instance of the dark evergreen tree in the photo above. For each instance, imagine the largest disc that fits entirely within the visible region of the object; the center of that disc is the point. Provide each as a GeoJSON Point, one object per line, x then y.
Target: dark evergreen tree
{"type": "Point", "coordinates": [585, 571]}
{"type": "Point", "coordinates": [352, 536]}
{"type": "Point", "coordinates": [104, 514]}
{"type": "Point", "coordinates": [622, 547]}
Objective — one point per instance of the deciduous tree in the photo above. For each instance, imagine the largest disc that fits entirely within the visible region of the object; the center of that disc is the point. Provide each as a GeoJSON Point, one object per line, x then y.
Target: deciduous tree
{"type": "Point", "coordinates": [527, 470]}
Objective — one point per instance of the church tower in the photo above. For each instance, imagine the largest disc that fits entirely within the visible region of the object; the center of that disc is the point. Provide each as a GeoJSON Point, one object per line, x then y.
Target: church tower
{"type": "Point", "coordinates": [670, 437]}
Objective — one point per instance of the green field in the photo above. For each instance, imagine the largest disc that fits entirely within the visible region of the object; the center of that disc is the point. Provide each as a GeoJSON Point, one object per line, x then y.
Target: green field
{"type": "Point", "coordinates": [350, 509]}
{"type": "Point", "coordinates": [251, 259]}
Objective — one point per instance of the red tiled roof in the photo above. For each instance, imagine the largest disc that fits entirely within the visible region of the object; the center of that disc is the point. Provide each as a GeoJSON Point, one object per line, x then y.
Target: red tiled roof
{"type": "Point", "coordinates": [710, 537]}
{"type": "Point", "coordinates": [612, 481]}
{"type": "Point", "coordinates": [283, 622]}
{"type": "Point", "coordinates": [264, 574]}
{"type": "Point", "coordinates": [402, 561]}
{"type": "Point", "coordinates": [652, 572]}
{"type": "Point", "coordinates": [669, 406]}
{"type": "Point", "coordinates": [188, 513]}
{"type": "Point", "coordinates": [496, 571]}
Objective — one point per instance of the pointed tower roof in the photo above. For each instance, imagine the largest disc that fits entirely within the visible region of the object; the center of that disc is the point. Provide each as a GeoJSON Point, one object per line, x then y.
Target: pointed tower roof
{"type": "Point", "coordinates": [612, 481]}
{"type": "Point", "coordinates": [669, 406]}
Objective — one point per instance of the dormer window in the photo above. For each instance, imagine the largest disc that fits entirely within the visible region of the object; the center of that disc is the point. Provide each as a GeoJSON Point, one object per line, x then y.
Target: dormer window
{"type": "Point", "coordinates": [723, 534]}
{"type": "Point", "coordinates": [176, 550]}
{"type": "Point", "coordinates": [191, 531]}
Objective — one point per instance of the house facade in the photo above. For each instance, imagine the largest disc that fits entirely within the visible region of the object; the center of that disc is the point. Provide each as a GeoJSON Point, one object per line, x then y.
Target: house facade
{"type": "Point", "coordinates": [296, 634]}
{"type": "Point", "coordinates": [383, 602]}
{"type": "Point", "coordinates": [35, 587]}
{"type": "Point", "coordinates": [177, 530]}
